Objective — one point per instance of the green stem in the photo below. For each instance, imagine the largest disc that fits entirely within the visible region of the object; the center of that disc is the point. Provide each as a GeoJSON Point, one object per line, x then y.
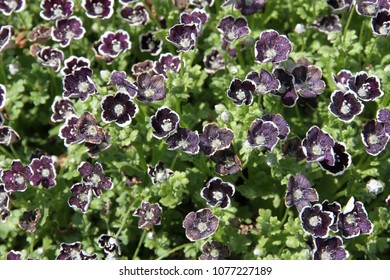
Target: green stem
{"type": "Point", "coordinates": [4, 150]}
{"type": "Point", "coordinates": [182, 64]}
{"type": "Point", "coordinates": [141, 241]}
{"type": "Point", "coordinates": [174, 160]}
{"type": "Point", "coordinates": [284, 217]}
{"type": "Point", "coordinates": [32, 243]}
{"type": "Point", "coordinates": [173, 250]}
{"type": "Point", "coordinates": [14, 152]}
{"type": "Point", "coordinates": [124, 219]}
{"type": "Point", "coordinates": [348, 23]}
{"type": "Point", "coordinates": [3, 73]}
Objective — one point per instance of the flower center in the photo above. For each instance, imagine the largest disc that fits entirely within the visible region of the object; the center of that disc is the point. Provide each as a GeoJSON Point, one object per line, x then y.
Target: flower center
{"type": "Point", "coordinates": [119, 109]}
{"type": "Point", "coordinates": [373, 139]}
{"type": "Point", "coordinates": [45, 172]}
{"type": "Point", "coordinates": [95, 179]}
{"type": "Point", "coordinates": [261, 88]}
{"type": "Point", "coordinates": [316, 149]}
{"type": "Point", "coordinates": [161, 177]}
{"type": "Point", "coordinates": [83, 87]}
{"type": "Point", "coordinates": [91, 130]}
{"type": "Point", "coordinates": [215, 143]}
{"type": "Point", "coordinates": [371, 9]}
{"type": "Point", "coordinates": [217, 195]}
{"type": "Point", "coordinates": [202, 227]}
{"type": "Point", "coordinates": [345, 107]}
{"type": "Point", "coordinates": [364, 90]}
{"type": "Point", "coordinates": [240, 95]}
{"type": "Point", "coordinates": [270, 53]}
{"type": "Point", "coordinates": [116, 46]}
{"type": "Point", "coordinates": [98, 8]}
{"type": "Point", "coordinates": [57, 11]}
{"type": "Point", "coordinates": [260, 139]}
{"type": "Point", "coordinates": [11, 4]}
{"type": "Point", "coordinates": [350, 219]}
{"type": "Point", "coordinates": [298, 194]}
{"type": "Point", "coordinates": [149, 215]}
{"type": "Point", "coordinates": [74, 254]}
{"type": "Point", "coordinates": [315, 221]}
{"type": "Point", "coordinates": [149, 92]}
{"type": "Point", "coordinates": [214, 253]}
{"type": "Point", "coordinates": [83, 197]}
{"type": "Point", "coordinates": [326, 255]}
{"type": "Point", "coordinates": [231, 35]}
{"type": "Point", "coordinates": [185, 43]}
{"type": "Point", "coordinates": [385, 28]}
{"type": "Point", "coordinates": [183, 143]}
{"type": "Point", "coordinates": [18, 179]}
{"type": "Point", "coordinates": [167, 125]}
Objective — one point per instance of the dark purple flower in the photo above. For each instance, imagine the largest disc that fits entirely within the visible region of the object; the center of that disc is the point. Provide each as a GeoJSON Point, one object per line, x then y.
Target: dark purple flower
{"type": "Point", "coordinates": [328, 24]}
{"type": "Point", "coordinates": [136, 15]}
{"type": "Point", "coordinates": [16, 178]}
{"type": "Point", "coordinates": [98, 8]}
{"type": "Point", "coordinates": [150, 88]}
{"type": "Point", "coordinates": [4, 201]}
{"type": "Point", "coordinates": [67, 30]}
{"type": "Point", "coordinates": [339, 6]}
{"type": "Point", "coordinates": [185, 140]}
{"type": "Point", "coordinates": [183, 36]}
{"type": "Point", "coordinates": [3, 92]}
{"type": "Point", "coordinates": [159, 174]}
{"type": "Point", "coordinates": [213, 62]}
{"type": "Point", "coordinates": [307, 81]}
{"type": "Point", "coordinates": [79, 84]}
{"type": "Point", "coordinates": [118, 108]}
{"type": "Point", "coordinates": [56, 9]}
{"type": "Point", "coordinates": [145, 66]}
{"type": "Point", "coordinates": [114, 43]}
{"type": "Point", "coordinates": [214, 250]}
{"type": "Point", "coordinates": [331, 248]}
{"type": "Point", "coordinates": [125, 2]}
{"type": "Point", "coordinates": [95, 149]}
{"type": "Point", "coordinates": [6, 33]}
{"type": "Point", "coordinates": [43, 172]}
{"type": "Point", "coordinates": [366, 87]}
{"type": "Point", "coordinates": [87, 129]}
{"type": "Point", "coordinates": [299, 192]}
{"type": "Point", "coordinates": [148, 43]}
{"type": "Point", "coordinates": [286, 90]}
{"type": "Point", "coordinates": [8, 136]}
{"type": "Point", "coordinates": [200, 224]}
{"type": "Point", "coordinates": [14, 256]}
{"type": "Point", "coordinates": [227, 162]}
{"type": "Point", "coordinates": [292, 147]}
{"type": "Point", "coordinates": [280, 122]}
{"type": "Point", "coordinates": [263, 134]}
{"type": "Point", "coordinates": [109, 244]}
{"type": "Point", "coordinates": [233, 29]}
{"type": "Point", "coordinates": [370, 8]}
{"type": "Point", "coordinates": [354, 221]}
{"type": "Point", "coordinates": [215, 139]}
{"type": "Point", "coordinates": [265, 82]}
{"type": "Point", "coordinates": [387, 200]}
{"type": "Point", "coordinates": [62, 109]}
{"type": "Point", "coordinates": [164, 122]}
{"type": "Point", "coordinates": [7, 7]}
{"type": "Point", "coordinates": [40, 34]}
{"type": "Point", "coordinates": [118, 78]}
{"type": "Point", "coordinates": [241, 92]}
{"type": "Point", "coordinates": [315, 221]}
{"type": "Point", "coordinates": [202, 3]}
{"type": "Point", "coordinates": [99, 55]}
{"type": "Point", "coordinates": [217, 192]}
{"type": "Point", "coordinates": [272, 47]}
{"type": "Point", "coordinates": [335, 208]}
{"type": "Point", "coordinates": [73, 63]}
{"type": "Point", "coordinates": [149, 215]}
{"type": "Point", "coordinates": [196, 16]}
{"type": "Point", "coordinates": [167, 63]}
{"type": "Point", "coordinates": [342, 78]}
{"type": "Point", "coordinates": [345, 105]}
{"type": "Point", "coordinates": [30, 220]}
{"type": "Point", "coordinates": [69, 133]}
{"type": "Point", "coordinates": [374, 137]}
{"type": "Point", "coordinates": [73, 251]}
{"type": "Point", "coordinates": [318, 146]}
{"type": "Point", "coordinates": [383, 116]}
{"type": "Point", "coordinates": [342, 160]}
{"type": "Point", "coordinates": [249, 7]}
{"type": "Point", "coordinates": [94, 177]}
{"type": "Point", "coordinates": [81, 197]}
{"type": "Point", "coordinates": [50, 57]}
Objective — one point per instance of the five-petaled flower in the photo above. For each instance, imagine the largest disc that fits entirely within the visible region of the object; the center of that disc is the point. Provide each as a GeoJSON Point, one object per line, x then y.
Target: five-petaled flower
{"type": "Point", "coordinates": [149, 215]}
{"type": "Point", "coordinates": [200, 224]}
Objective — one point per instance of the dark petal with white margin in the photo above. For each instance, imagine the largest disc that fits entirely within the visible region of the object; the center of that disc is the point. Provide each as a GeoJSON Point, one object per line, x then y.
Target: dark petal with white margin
{"type": "Point", "coordinates": [214, 250]}
{"type": "Point", "coordinates": [6, 33]}
{"type": "Point", "coordinates": [148, 43]}
{"type": "Point", "coordinates": [250, 7]}
{"type": "Point", "coordinates": [213, 62]}
{"type": "Point", "coordinates": [118, 78]}
{"type": "Point", "coordinates": [88, 130]}
{"type": "Point", "coordinates": [374, 137]}
{"type": "Point", "coordinates": [145, 66]}
{"type": "Point", "coordinates": [135, 16]}
{"type": "Point", "coordinates": [381, 23]}
{"type": "Point", "coordinates": [74, 63]}
{"type": "Point", "coordinates": [185, 140]}
{"type": "Point", "coordinates": [43, 172]}
{"type": "Point", "coordinates": [280, 122]}
{"type": "Point", "coordinates": [328, 24]}
{"type": "Point", "coordinates": [307, 81]}
{"type": "Point", "coordinates": [286, 90]}
{"type": "Point", "coordinates": [272, 47]}
{"type": "Point", "coordinates": [150, 88]}
{"type": "Point", "coordinates": [8, 136]}
{"type": "Point", "coordinates": [50, 57]}
{"type": "Point", "coordinates": [315, 221]}
{"type": "Point", "coordinates": [241, 92]}
{"type": "Point", "coordinates": [159, 174]}
{"type": "Point", "coordinates": [81, 197]}
{"type": "Point", "coordinates": [79, 84]}
{"type": "Point", "coordinates": [3, 92]}
{"type": "Point", "coordinates": [98, 8]}
{"type": "Point", "coordinates": [149, 214]}
{"type": "Point", "coordinates": [366, 87]}
{"type": "Point", "coordinates": [118, 108]}
{"type": "Point", "coordinates": [318, 146]}
{"type": "Point", "coordinates": [265, 81]}
{"type": "Point", "coordinates": [227, 162]}
{"type": "Point", "coordinates": [335, 208]}
{"type": "Point", "coordinates": [16, 178]}
{"type": "Point", "coordinates": [62, 109]}
{"type": "Point", "coordinates": [342, 78]}
{"type": "Point", "coordinates": [68, 132]}
{"type": "Point", "coordinates": [109, 244]}
{"type": "Point", "coordinates": [14, 256]}
{"type": "Point", "coordinates": [217, 192]}
{"type": "Point", "coordinates": [214, 139]}
{"type": "Point", "coordinates": [200, 224]}
{"type": "Point", "coordinates": [167, 63]}
{"type": "Point", "coordinates": [94, 177]}
{"type": "Point", "coordinates": [263, 134]}
{"type": "Point", "coordinates": [342, 160]}
{"type": "Point", "coordinates": [164, 122]}
{"type": "Point", "coordinates": [233, 29]}
{"type": "Point", "coordinates": [345, 105]}
{"type": "Point", "coordinates": [299, 192]}
{"type": "Point", "coordinates": [183, 37]}
{"type": "Point", "coordinates": [56, 9]}
{"type": "Point", "coordinates": [331, 248]}
{"type": "Point", "coordinates": [114, 43]}
{"type": "Point", "coordinates": [11, 6]}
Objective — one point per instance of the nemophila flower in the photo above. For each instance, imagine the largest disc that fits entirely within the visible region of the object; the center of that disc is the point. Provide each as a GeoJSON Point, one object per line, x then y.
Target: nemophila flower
{"type": "Point", "coordinates": [118, 108]}
{"type": "Point", "coordinates": [73, 63]}
{"type": "Point", "coordinates": [387, 200]}
{"type": "Point", "coordinates": [87, 129]}
{"type": "Point", "coordinates": [265, 82]}
{"type": "Point", "coordinates": [381, 23]}
{"type": "Point", "coordinates": [375, 187]}
{"type": "Point", "coordinates": [183, 36]}
{"type": "Point", "coordinates": [109, 244]}
{"type": "Point", "coordinates": [335, 208]}
{"type": "Point", "coordinates": [339, 6]}
{"type": "Point", "coordinates": [99, 55]}
{"type": "Point", "coordinates": [185, 140]}
{"type": "Point", "coordinates": [383, 116]}
{"type": "Point", "coordinates": [345, 105]}
{"type": "Point", "coordinates": [8, 135]}
{"type": "Point", "coordinates": [202, 3]}
{"type": "Point", "coordinates": [30, 220]}
{"type": "Point", "coordinates": [217, 192]}
{"type": "Point", "coordinates": [280, 122]}
{"type": "Point", "coordinates": [95, 149]}
{"type": "Point", "coordinates": [286, 90]}
{"type": "Point", "coordinates": [148, 43]}
{"type": "Point", "coordinates": [118, 78]}
{"type": "Point", "coordinates": [94, 177]}
{"type": "Point", "coordinates": [197, 16]}
{"type": "Point", "coordinates": [150, 88]}
{"type": "Point", "coordinates": [342, 78]}
{"type": "Point", "coordinates": [200, 224]}
{"type": "Point", "coordinates": [79, 84]}
{"type": "Point", "coordinates": [366, 87]}
{"type": "Point", "coordinates": [68, 132]}
{"type": "Point", "coordinates": [214, 250]}
{"type": "Point", "coordinates": [67, 30]}
{"type": "Point", "coordinates": [227, 162]}
{"type": "Point", "coordinates": [299, 192]}
{"type": "Point", "coordinates": [146, 66]}
{"type": "Point", "coordinates": [159, 174]}
{"type": "Point", "coordinates": [98, 8]}
{"type": "Point", "coordinates": [249, 7]}
{"type": "Point", "coordinates": [81, 197]}
{"type": "Point", "coordinates": [213, 62]}
{"type": "Point", "coordinates": [328, 24]}
{"type": "Point", "coordinates": [370, 8]}
{"type": "Point", "coordinates": [4, 201]}
{"type": "Point", "coordinates": [272, 47]}
{"type": "Point", "coordinates": [125, 2]}
{"type": "Point", "coordinates": [3, 93]}
{"type": "Point", "coordinates": [342, 160]}
{"type": "Point", "coordinates": [241, 92]}
{"type": "Point", "coordinates": [353, 221]}
{"type": "Point", "coordinates": [330, 248]}
{"type": "Point", "coordinates": [114, 43]}
{"type": "Point", "coordinates": [149, 215]}
{"type": "Point", "coordinates": [374, 137]}
{"type": "Point", "coordinates": [43, 172]}
{"type": "Point", "coordinates": [215, 139]}
{"type": "Point", "coordinates": [307, 81]}
{"type": "Point", "coordinates": [315, 221]}
{"type": "Point", "coordinates": [62, 109]}
{"type": "Point", "coordinates": [167, 63]}
{"type": "Point", "coordinates": [6, 33]}
{"type": "Point", "coordinates": [135, 16]}
{"type": "Point", "coordinates": [73, 251]}
{"type": "Point", "coordinates": [50, 57]}
{"type": "Point", "coordinates": [7, 7]}
{"type": "Point", "coordinates": [56, 9]}
{"type": "Point", "coordinates": [233, 29]}
{"type": "Point", "coordinates": [263, 134]}
{"type": "Point", "coordinates": [16, 178]}
{"type": "Point", "coordinates": [318, 146]}
{"type": "Point", "coordinates": [164, 122]}
{"type": "Point", "coordinates": [14, 256]}
{"type": "Point", "coordinates": [40, 34]}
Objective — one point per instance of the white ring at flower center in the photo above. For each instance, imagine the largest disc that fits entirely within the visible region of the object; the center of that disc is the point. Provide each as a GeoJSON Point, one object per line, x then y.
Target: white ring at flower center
{"type": "Point", "coordinates": [202, 227]}
{"type": "Point", "coordinates": [119, 109]}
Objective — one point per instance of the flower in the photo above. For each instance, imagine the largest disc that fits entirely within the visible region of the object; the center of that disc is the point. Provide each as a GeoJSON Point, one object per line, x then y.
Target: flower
{"type": "Point", "coordinates": [335, 208]}
{"type": "Point", "coordinates": [81, 197]}
{"type": "Point", "coordinates": [299, 192]}
{"type": "Point", "coordinates": [69, 133]}
{"type": "Point", "coordinates": [342, 78]}
{"type": "Point", "coordinates": [233, 29]}
{"type": "Point", "coordinates": [99, 55]}
{"type": "Point", "coordinates": [62, 109]}
{"type": "Point", "coordinates": [241, 92]}
{"type": "Point", "coordinates": [79, 84]}
{"type": "Point", "coordinates": [43, 172]}
{"type": "Point", "coordinates": [328, 24]}
{"type": "Point", "coordinates": [183, 36]}
{"type": "Point", "coordinates": [94, 177]}
{"type": "Point", "coordinates": [6, 32]}
{"type": "Point", "coordinates": [118, 108]}
{"type": "Point", "coordinates": [114, 43]}
{"type": "Point", "coordinates": [109, 244]}
{"type": "Point", "coordinates": [383, 116]}
{"type": "Point", "coordinates": [196, 16]}
{"type": "Point", "coordinates": [4, 201]}
{"type": "Point", "coordinates": [286, 90]}
{"type": "Point", "coordinates": [318, 146]}
{"type": "Point", "coordinates": [30, 220]}
{"type": "Point", "coordinates": [118, 78]}
{"type": "Point", "coordinates": [73, 63]}
{"type": "Point", "coordinates": [164, 122]}
{"type": "Point", "coordinates": [200, 224]}
{"type": "Point", "coordinates": [345, 105]}
{"type": "Point", "coordinates": [16, 178]}
{"type": "Point", "coordinates": [307, 81]}
{"type": "Point", "coordinates": [280, 122]}
{"type": "Point", "coordinates": [149, 215]}
{"type": "Point", "coordinates": [10, 6]}
{"type": "Point", "coordinates": [3, 93]}
{"type": "Point", "coordinates": [67, 30]}
{"type": "Point", "coordinates": [145, 66]}
{"type": "Point", "coordinates": [150, 88]}
{"type": "Point", "coordinates": [14, 256]}
{"type": "Point", "coordinates": [249, 7]}
{"type": "Point", "coordinates": [8, 136]}
{"type": "Point", "coordinates": [213, 62]}
{"type": "Point", "coordinates": [272, 47]}
{"type": "Point", "coordinates": [370, 8]}
{"type": "Point", "coordinates": [342, 160]}
{"type": "Point", "coordinates": [217, 192]}
{"type": "Point", "coordinates": [315, 221]}
{"type": "Point", "coordinates": [381, 23]}
{"type": "Point", "coordinates": [159, 174]}
{"type": "Point", "coordinates": [263, 134]}
{"type": "Point", "coordinates": [330, 248]}
{"type": "Point", "coordinates": [40, 34]}
{"type": "Point", "coordinates": [167, 63]}
{"type": "Point", "coordinates": [185, 140]}
{"type": "Point", "coordinates": [339, 6]}
{"type": "Point", "coordinates": [227, 162]}
{"type": "Point", "coordinates": [56, 9]}
{"type": "Point", "coordinates": [366, 87]}
{"type": "Point", "coordinates": [98, 8]}
{"type": "Point", "coordinates": [265, 82]}
{"type": "Point", "coordinates": [215, 139]}
{"type": "Point", "coordinates": [73, 251]}
{"type": "Point", "coordinates": [202, 3]}
{"type": "Point", "coordinates": [374, 137]}
{"type": "Point", "coordinates": [354, 221]}
{"type": "Point", "coordinates": [148, 43]}
{"type": "Point", "coordinates": [95, 149]}
{"type": "Point", "coordinates": [214, 250]}
{"type": "Point", "coordinates": [135, 16]}
{"type": "Point", "coordinates": [50, 57]}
